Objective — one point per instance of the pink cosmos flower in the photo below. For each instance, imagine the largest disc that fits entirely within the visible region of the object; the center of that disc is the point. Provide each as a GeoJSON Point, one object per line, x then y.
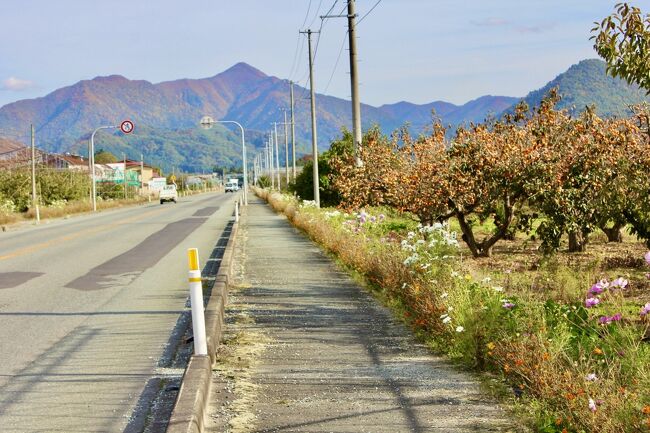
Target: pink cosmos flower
{"type": "Point", "coordinates": [591, 302]}
{"type": "Point", "coordinates": [596, 289]}
{"type": "Point", "coordinates": [605, 320]}
{"type": "Point", "coordinates": [647, 258]}
{"type": "Point", "coordinates": [645, 310]}
{"type": "Point", "coordinates": [592, 405]}
{"type": "Point", "coordinates": [508, 305]}
{"type": "Point", "coordinates": [619, 282]}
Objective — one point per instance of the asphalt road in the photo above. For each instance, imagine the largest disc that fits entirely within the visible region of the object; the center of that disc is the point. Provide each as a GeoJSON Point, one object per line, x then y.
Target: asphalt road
{"type": "Point", "coordinates": [87, 307]}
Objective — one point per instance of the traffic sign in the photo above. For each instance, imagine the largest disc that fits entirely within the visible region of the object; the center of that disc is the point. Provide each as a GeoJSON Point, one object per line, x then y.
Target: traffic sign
{"type": "Point", "coordinates": [127, 127]}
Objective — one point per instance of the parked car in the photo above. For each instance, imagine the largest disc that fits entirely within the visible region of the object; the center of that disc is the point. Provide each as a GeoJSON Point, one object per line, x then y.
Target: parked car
{"type": "Point", "coordinates": [168, 193]}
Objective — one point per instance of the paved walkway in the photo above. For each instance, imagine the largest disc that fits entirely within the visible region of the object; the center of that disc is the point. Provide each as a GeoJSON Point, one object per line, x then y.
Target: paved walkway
{"type": "Point", "coordinates": [307, 350]}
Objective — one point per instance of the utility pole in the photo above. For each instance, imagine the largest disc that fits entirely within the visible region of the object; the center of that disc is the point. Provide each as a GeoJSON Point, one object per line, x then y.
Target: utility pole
{"type": "Point", "coordinates": [286, 147]}
{"type": "Point", "coordinates": [354, 84]}
{"type": "Point", "coordinates": [34, 198]}
{"type": "Point", "coordinates": [314, 138]}
{"type": "Point", "coordinates": [272, 168]}
{"type": "Point", "coordinates": [354, 80]}
{"type": "Point", "coordinates": [293, 133]}
{"type": "Point", "coordinates": [277, 154]}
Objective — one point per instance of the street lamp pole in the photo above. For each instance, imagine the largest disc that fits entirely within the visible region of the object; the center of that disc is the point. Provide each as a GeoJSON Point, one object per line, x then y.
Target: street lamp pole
{"type": "Point", "coordinates": [210, 121]}
{"type": "Point", "coordinates": [92, 163]}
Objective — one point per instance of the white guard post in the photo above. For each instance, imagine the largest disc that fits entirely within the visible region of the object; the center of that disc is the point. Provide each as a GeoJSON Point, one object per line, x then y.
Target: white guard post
{"type": "Point", "coordinates": [196, 300]}
{"type": "Point", "coordinates": [237, 211]}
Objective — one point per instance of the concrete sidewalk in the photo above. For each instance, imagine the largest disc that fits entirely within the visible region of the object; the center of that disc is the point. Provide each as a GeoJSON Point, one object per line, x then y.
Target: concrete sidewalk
{"type": "Point", "coordinates": [308, 350]}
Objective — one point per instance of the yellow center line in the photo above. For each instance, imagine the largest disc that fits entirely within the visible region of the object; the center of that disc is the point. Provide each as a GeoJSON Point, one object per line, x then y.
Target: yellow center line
{"type": "Point", "coordinates": [62, 239]}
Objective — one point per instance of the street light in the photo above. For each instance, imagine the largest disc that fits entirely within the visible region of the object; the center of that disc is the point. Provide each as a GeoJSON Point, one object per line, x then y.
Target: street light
{"type": "Point", "coordinates": [208, 122]}
{"type": "Point", "coordinates": [92, 163]}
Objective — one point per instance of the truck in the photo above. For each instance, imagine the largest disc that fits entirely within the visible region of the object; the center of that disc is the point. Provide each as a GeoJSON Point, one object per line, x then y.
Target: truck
{"type": "Point", "coordinates": [168, 193]}
{"type": "Point", "coordinates": [232, 185]}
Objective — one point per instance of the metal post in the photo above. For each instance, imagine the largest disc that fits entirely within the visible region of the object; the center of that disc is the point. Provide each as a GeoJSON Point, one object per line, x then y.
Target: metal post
{"type": "Point", "coordinates": [272, 168]}
{"type": "Point", "coordinates": [314, 138]}
{"type": "Point", "coordinates": [34, 198]}
{"type": "Point", "coordinates": [196, 302]}
{"type": "Point", "coordinates": [141, 174]}
{"type": "Point", "coordinates": [124, 156]}
{"type": "Point", "coordinates": [293, 134]}
{"type": "Point", "coordinates": [286, 147]}
{"type": "Point", "coordinates": [277, 154]}
{"type": "Point", "coordinates": [354, 83]}
{"type": "Point", "coordinates": [92, 164]}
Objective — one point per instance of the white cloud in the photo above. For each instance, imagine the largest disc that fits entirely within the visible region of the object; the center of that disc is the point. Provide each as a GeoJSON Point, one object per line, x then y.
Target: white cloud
{"type": "Point", "coordinates": [491, 22]}
{"type": "Point", "coordinates": [16, 84]}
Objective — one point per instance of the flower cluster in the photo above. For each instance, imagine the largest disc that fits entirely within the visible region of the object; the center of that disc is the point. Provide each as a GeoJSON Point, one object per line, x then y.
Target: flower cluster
{"type": "Point", "coordinates": [308, 204]}
{"type": "Point", "coordinates": [605, 320]}
{"type": "Point", "coordinates": [360, 220]}
{"type": "Point", "coordinates": [594, 293]}
{"type": "Point", "coordinates": [430, 242]}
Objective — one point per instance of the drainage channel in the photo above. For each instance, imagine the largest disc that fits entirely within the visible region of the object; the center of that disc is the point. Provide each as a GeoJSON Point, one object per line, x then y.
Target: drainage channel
{"type": "Point", "coordinates": [155, 405]}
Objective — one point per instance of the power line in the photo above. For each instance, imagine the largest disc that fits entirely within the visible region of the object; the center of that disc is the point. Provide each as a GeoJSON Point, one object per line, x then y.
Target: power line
{"type": "Point", "coordinates": [320, 3]}
{"type": "Point", "coordinates": [298, 52]}
{"type": "Point", "coordinates": [296, 56]}
{"type": "Point", "coordinates": [368, 13]}
{"type": "Point", "coordinates": [338, 58]}
{"type": "Point", "coordinates": [306, 15]}
{"type": "Point", "coordinates": [319, 31]}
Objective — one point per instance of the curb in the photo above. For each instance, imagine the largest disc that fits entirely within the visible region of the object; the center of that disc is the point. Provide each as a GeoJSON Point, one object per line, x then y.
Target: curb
{"type": "Point", "coordinates": [188, 415]}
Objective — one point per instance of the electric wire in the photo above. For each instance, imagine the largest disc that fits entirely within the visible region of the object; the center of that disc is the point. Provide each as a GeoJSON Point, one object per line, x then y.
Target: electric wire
{"type": "Point", "coordinates": [336, 64]}
{"type": "Point", "coordinates": [320, 3]}
{"type": "Point", "coordinates": [369, 12]}
{"type": "Point", "coordinates": [306, 15]}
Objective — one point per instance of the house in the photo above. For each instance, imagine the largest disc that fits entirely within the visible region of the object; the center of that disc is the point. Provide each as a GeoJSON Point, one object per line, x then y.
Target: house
{"type": "Point", "coordinates": [67, 161]}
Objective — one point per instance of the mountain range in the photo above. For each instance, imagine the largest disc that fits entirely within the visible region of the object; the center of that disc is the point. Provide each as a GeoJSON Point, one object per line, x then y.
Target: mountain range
{"type": "Point", "coordinates": [167, 114]}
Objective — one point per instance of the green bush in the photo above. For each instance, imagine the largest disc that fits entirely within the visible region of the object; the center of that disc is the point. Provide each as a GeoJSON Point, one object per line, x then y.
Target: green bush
{"type": "Point", "coordinates": [303, 186]}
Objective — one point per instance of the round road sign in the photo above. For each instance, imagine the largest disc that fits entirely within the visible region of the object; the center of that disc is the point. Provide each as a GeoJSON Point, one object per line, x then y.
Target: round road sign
{"type": "Point", "coordinates": [127, 127]}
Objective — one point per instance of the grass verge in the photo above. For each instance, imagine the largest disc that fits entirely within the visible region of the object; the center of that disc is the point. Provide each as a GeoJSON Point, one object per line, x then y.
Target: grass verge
{"type": "Point", "coordinates": [570, 367]}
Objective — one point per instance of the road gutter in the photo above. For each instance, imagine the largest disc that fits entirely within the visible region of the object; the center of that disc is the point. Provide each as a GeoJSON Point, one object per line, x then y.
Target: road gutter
{"type": "Point", "coordinates": [188, 415]}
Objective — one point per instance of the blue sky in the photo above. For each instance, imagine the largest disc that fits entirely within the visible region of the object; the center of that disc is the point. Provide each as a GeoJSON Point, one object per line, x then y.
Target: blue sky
{"type": "Point", "coordinates": [413, 50]}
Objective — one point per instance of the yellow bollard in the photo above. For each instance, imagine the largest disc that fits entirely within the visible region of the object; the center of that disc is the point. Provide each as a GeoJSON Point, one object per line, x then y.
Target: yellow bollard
{"type": "Point", "coordinates": [196, 302]}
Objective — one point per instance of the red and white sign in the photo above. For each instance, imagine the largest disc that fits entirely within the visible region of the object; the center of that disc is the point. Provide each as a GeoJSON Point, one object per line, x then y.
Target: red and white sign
{"type": "Point", "coordinates": [127, 127]}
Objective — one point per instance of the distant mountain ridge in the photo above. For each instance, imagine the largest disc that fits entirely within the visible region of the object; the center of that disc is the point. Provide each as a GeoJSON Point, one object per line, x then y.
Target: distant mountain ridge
{"type": "Point", "coordinates": [587, 83]}
{"type": "Point", "coordinates": [167, 114]}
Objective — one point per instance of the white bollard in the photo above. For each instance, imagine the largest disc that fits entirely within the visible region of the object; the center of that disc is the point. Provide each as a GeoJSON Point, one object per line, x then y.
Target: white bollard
{"type": "Point", "coordinates": [196, 301]}
{"type": "Point", "coordinates": [236, 211]}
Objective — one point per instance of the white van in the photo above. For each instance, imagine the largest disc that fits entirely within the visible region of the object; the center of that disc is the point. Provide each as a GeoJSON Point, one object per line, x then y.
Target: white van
{"type": "Point", "coordinates": [168, 193]}
{"type": "Point", "coordinates": [232, 186]}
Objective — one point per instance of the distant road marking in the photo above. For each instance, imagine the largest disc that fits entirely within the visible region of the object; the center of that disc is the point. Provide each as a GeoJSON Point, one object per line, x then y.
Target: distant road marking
{"type": "Point", "coordinates": [59, 240]}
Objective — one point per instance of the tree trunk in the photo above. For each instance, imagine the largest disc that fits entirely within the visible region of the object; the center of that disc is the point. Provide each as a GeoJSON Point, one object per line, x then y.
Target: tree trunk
{"type": "Point", "coordinates": [577, 242]}
{"type": "Point", "coordinates": [614, 234]}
